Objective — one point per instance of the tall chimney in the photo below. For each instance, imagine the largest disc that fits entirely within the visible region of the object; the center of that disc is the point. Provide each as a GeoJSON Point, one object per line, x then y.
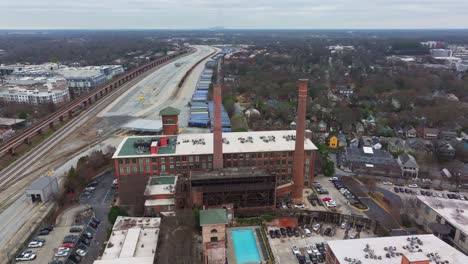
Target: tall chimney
{"type": "Point", "coordinates": [298, 162]}
{"type": "Point", "coordinates": [218, 133]}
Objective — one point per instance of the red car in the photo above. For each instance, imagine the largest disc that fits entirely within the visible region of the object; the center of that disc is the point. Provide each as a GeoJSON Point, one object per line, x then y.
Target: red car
{"type": "Point", "coordinates": [68, 245]}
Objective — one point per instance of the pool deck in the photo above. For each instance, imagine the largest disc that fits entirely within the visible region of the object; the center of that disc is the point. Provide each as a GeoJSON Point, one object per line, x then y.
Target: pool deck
{"type": "Point", "coordinates": [231, 254]}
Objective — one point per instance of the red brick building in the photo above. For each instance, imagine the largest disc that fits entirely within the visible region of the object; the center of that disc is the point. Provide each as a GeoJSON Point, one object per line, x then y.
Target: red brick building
{"type": "Point", "coordinates": [170, 120]}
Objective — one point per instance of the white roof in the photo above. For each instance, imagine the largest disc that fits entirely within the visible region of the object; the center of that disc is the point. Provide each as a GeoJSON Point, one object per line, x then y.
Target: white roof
{"type": "Point", "coordinates": [155, 202]}
{"type": "Point", "coordinates": [453, 211]}
{"type": "Point", "coordinates": [354, 249]}
{"type": "Point", "coordinates": [368, 150]}
{"type": "Point", "coordinates": [262, 141]}
{"type": "Point", "coordinates": [145, 125]}
{"type": "Point", "coordinates": [133, 240]}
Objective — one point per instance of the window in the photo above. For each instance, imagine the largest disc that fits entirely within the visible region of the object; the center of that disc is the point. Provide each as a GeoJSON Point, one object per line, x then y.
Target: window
{"type": "Point", "coordinates": [171, 166]}
{"type": "Point", "coordinates": [213, 231]}
{"type": "Point", "coordinates": [127, 161]}
{"type": "Point", "coordinates": [163, 167]}
{"type": "Point", "coordinates": [135, 168]}
{"type": "Point", "coordinates": [148, 168]}
{"type": "Point", "coordinates": [141, 168]}
{"type": "Point", "coordinates": [120, 161]}
{"type": "Point", "coordinates": [184, 158]}
{"type": "Point", "coordinates": [171, 159]}
{"type": "Point", "coordinates": [190, 158]}
{"type": "Point", "coordinates": [214, 239]}
{"type": "Point", "coordinates": [153, 160]}
{"type": "Point", "coordinates": [147, 160]}
{"type": "Point", "coordinates": [133, 160]}
{"type": "Point", "coordinates": [155, 168]}
{"type": "Point", "coordinates": [285, 154]}
{"type": "Point", "coordinates": [462, 237]}
{"type": "Point", "coordinates": [254, 156]}
{"type": "Point", "coordinates": [121, 169]}
{"type": "Point", "coordinates": [210, 158]}
{"type": "Point", "coordinates": [128, 169]}
{"type": "Point", "coordinates": [438, 219]}
{"type": "Point", "coordinates": [140, 161]}
{"type": "Point", "coordinates": [247, 156]}
{"type": "Point", "coordinates": [197, 158]}
{"type": "Point", "coordinates": [163, 160]}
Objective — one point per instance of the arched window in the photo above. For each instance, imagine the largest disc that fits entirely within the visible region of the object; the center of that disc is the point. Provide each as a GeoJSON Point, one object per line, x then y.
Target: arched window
{"type": "Point", "coordinates": [214, 231]}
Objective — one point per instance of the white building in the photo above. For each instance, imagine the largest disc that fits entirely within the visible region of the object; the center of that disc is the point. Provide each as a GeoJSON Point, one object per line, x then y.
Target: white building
{"type": "Point", "coordinates": [420, 249]}
{"type": "Point", "coordinates": [441, 53]}
{"type": "Point", "coordinates": [35, 91]}
{"type": "Point", "coordinates": [133, 241]}
{"type": "Point", "coordinates": [449, 212]}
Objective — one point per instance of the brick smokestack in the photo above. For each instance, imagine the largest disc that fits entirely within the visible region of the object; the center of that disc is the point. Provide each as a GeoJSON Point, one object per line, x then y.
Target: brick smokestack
{"type": "Point", "coordinates": [218, 133]}
{"type": "Point", "coordinates": [298, 162]}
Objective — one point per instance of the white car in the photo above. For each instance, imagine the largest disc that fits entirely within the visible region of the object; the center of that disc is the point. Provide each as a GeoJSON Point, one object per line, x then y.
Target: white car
{"type": "Point", "coordinates": [26, 257]}
{"type": "Point", "coordinates": [35, 244]}
{"type": "Point", "coordinates": [333, 178]}
{"type": "Point", "coordinates": [439, 195]}
{"type": "Point", "coordinates": [413, 185]}
{"type": "Point", "coordinates": [315, 249]}
{"type": "Point", "coordinates": [316, 227]}
{"type": "Point", "coordinates": [61, 253]}
{"type": "Point", "coordinates": [307, 232]}
{"type": "Point", "coordinates": [63, 249]}
{"type": "Point", "coordinates": [295, 250]}
{"type": "Point", "coordinates": [330, 203]}
{"type": "Point", "coordinates": [308, 249]}
{"type": "Point", "coordinates": [90, 188]}
{"type": "Point", "coordinates": [343, 225]}
{"type": "Point", "coordinates": [387, 183]}
{"type": "Point", "coordinates": [81, 252]}
{"type": "Point", "coordinates": [299, 206]}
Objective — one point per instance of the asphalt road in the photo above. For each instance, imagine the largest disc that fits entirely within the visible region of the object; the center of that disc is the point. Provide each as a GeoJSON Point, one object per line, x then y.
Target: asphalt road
{"type": "Point", "coordinates": [375, 211]}
{"type": "Point", "coordinates": [100, 200]}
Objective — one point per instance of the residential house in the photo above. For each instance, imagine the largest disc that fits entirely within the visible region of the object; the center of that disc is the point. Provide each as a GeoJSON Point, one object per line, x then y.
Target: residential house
{"type": "Point", "coordinates": [408, 165]}
{"type": "Point", "coordinates": [444, 150]}
{"type": "Point", "coordinates": [410, 132]}
{"type": "Point", "coordinates": [429, 133]}
{"type": "Point", "coordinates": [447, 135]}
{"type": "Point", "coordinates": [342, 140]}
{"type": "Point", "coordinates": [396, 145]}
{"type": "Point", "coordinates": [345, 90]}
{"type": "Point", "coordinates": [398, 130]}
{"type": "Point", "coordinates": [348, 129]}
{"type": "Point", "coordinates": [369, 161]}
{"type": "Point", "coordinates": [322, 126]}
{"type": "Point", "coordinates": [359, 128]}
{"type": "Point", "coordinates": [333, 142]}
{"type": "Point", "coordinates": [418, 145]}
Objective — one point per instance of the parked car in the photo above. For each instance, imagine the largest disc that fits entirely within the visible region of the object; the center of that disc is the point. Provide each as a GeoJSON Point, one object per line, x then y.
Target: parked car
{"type": "Point", "coordinates": [387, 183]}
{"type": "Point", "coordinates": [93, 224]}
{"type": "Point", "coordinates": [308, 249]}
{"type": "Point", "coordinates": [307, 259]}
{"type": "Point", "coordinates": [26, 257]}
{"type": "Point", "coordinates": [289, 205]}
{"type": "Point", "coordinates": [55, 261]}
{"type": "Point", "coordinates": [35, 244]}
{"type": "Point", "coordinates": [289, 231]}
{"type": "Point", "coordinates": [333, 178]}
{"type": "Point", "coordinates": [87, 242]}
{"type": "Point", "coordinates": [38, 239]}
{"type": "Point", "coordinates": [344, 225]}
{"type": "Point", "coordinates": [296, 232]}
{"type": "Point", "coordinates": [68, 245]}
{"type": "Point", "coordinates": [61, 253]}
{"type": "Point", "coordinates": [75, 230]}
{"type": "Point", "coordinates": [414, 185]}
{"type": "Point", "coordinates": [316, 227]}
{"type": "Point", "coordinates": [295, 250]}
{"type": "Point", "coordinates": [80, 252]}
{"type": "Point", "coordinates": [299, 206]}
{"type": "Point", "coordinates": [307, 232]}
{"type": "Point", "coordinates": [48, 227]}
{"type": "Point", "coordinates": [63, 249]}
{"type": "Point", "coordinates": [396, 189]}
{"type": "Point", "coordinates": [96, 220]}
{"type": "Point", "coordinates": [88, 235]}
{"type": "Point", "coordinates": [75, 258]}
{"type": "Point", "coordinates": [272, 234]}
{"type": "Point", "coordinates": [327, 231]}
{"type": "Point", "coordinates": [283, 231]}
{"type": "Point", "coordinates": [43, 232]}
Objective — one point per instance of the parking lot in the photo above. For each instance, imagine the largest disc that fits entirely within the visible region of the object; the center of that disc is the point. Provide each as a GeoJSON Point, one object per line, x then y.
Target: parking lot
{"type": "Point", "coordinates": [342, 204]}
{"type": "Point", "coordinates": [282, 247]}
{"type": "Point", "coordinates": [407, 192]}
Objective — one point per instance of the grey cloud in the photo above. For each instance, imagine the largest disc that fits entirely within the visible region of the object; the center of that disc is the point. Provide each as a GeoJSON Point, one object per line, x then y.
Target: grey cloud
{"type": "Point", "coordinates": [92, 14]}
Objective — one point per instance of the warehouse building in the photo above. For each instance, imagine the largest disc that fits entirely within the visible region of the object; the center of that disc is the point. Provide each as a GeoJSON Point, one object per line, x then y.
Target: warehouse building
{"type": "Point", "coordinates": [446, 217]}
{"type": "Point", "coordinates": [421, 249]}
{"type": "Point", "coordinates": [42, 189]}
{"type": "Point", "coordinates": [132, 240]}
{"type": "Point", "coordinates": [288, 157]}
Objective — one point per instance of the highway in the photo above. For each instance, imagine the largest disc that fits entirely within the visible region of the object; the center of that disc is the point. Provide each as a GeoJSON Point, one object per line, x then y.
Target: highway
{"type": "Point", "coordinates": [15, 211]}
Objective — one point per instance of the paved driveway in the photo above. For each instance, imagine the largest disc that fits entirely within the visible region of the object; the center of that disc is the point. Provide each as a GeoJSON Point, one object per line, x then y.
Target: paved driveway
{"type": "Point", "coordinates": [100, 200]}
{"type": "Point", "coordinates": [375, 211]}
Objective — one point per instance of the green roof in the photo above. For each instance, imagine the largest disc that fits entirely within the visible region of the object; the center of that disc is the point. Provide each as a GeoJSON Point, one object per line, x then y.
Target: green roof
{"type": "Point", "coordinates": [169, 111]}
{"type": "Point", "coordinates": [213, 217]}
{"type": "Point", "coordinates": [129, 149]}
{"type": "Point", "coordinates": [163, 180]}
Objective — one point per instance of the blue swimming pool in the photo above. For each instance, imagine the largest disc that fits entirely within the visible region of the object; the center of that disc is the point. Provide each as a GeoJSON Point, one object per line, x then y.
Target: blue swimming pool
{"type": "Point", "coordinates": [245, 246]}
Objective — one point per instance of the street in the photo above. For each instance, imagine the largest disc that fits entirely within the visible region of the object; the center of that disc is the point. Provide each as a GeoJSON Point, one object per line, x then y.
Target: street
{"type": "Point", "coordinates": [100, 200]}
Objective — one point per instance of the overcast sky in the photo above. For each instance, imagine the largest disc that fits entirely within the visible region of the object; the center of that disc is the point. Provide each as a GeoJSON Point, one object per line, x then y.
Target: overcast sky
{"type": "Point", "coordinates": [245, 14]}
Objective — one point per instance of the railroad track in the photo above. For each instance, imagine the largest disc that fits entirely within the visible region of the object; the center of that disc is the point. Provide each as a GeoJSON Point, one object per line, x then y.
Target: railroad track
{"type": "Point", "coordinates": [19, 169]}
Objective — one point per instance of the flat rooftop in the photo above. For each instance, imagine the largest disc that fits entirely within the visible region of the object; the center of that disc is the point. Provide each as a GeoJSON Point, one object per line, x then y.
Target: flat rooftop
{"type": "Point", "coordinates": [144, 125]}
{"type": "Point", "coordinates": [453, 211]}
{"type": "Point", "coordinates": [402, 245]}
{"type": "Point", "coordinates": [133, 240]}
{"type": "Point", "coordinates": [161, 185]}
{"type": "Point", "coordinates": [199, 144]}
